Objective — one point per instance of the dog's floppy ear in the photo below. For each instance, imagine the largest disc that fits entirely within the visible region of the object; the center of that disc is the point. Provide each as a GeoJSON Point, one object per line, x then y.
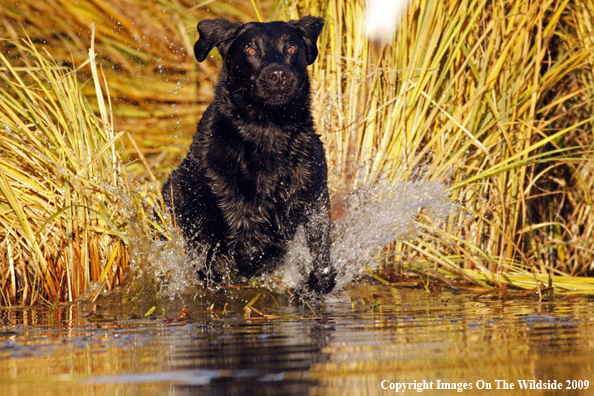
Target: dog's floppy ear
{"type": "Point", "coordinates": [214, 32]}
{"type": "Point", "coordinates": [309, 28]}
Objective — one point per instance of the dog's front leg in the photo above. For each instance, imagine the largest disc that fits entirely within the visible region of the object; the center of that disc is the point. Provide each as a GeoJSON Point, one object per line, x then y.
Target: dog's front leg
{"type": "Point", "coordinates": [317, 230]}
{"type": "Point", "coordinates": [210, 274]}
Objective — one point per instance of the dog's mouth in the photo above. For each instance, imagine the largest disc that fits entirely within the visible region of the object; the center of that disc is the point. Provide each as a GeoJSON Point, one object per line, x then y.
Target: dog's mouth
{"type": "Point", "coordinates": [275, 99]}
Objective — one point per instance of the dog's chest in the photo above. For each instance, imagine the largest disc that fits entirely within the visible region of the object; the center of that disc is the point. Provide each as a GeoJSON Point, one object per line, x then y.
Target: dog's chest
{"type": "Point", "coordinates": [278, 174]}
{"type": "Point", "coordinates": [266, 168]}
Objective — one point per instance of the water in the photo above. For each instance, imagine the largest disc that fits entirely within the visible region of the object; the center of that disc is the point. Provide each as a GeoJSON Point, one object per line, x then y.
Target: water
{"type": "Point", "coordinates": [363, 340]}
{"type": "Point", "coordinates": [376, 214]}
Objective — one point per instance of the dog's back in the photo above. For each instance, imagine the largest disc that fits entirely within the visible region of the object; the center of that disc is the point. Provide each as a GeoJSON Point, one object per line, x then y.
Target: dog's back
{"type": "Point", "coordinates": [256, 169]}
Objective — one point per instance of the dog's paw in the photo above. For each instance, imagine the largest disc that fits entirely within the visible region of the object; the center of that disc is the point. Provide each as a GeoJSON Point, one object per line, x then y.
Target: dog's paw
{"type": "Point", "coordinates": [322, 280]}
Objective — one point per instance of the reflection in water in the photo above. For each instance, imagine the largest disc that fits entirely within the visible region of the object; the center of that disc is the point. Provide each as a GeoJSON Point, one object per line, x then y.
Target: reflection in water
{"type": "Point", "coordinates": [407, 336]}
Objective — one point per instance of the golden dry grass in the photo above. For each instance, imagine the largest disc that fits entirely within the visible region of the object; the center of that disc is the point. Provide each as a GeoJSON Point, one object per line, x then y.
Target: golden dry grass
{"type": "Point", "coordinates": [62, 219]}
{"type": "Point", "coordinates": [493, 98]}
{"type": "Point", "coordinates": [487, 96]}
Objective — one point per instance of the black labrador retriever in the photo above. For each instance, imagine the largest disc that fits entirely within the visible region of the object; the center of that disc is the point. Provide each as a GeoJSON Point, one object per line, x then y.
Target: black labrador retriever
{"type": "Point", "coordinates": [256, 169]}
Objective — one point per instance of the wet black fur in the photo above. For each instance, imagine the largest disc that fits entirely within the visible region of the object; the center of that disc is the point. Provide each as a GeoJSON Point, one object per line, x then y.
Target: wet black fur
{"type": "Point", "coordinates": [256, 169]}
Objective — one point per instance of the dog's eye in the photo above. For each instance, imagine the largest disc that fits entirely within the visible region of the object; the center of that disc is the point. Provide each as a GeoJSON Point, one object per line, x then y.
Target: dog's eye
{"type": "Point", "coordinates": [292, 49]}
{"type": "Point", "coordinates": [250, 51]}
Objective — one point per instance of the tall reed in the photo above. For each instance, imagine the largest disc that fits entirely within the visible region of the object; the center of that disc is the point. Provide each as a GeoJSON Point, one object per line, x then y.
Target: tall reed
{"type": "Point", "coordinates": [473, 93]}
{"type": "Point", "coordinates": [61, 184]}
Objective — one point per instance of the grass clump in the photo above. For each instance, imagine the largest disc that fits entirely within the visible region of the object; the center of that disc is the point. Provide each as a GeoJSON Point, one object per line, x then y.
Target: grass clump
{"type": "Point", "coordinates": [62, 209]}
{"type": "Point", "coordinates": [482, 96]}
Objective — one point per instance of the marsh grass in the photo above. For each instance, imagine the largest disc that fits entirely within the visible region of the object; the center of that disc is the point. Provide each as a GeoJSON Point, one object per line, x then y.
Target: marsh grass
{"type": "Point", "coordinates": [493, 99]}
{"type": "Point", "coordinates": [479, 95]}
{"type": "Point", "coordinates": [65, 199]}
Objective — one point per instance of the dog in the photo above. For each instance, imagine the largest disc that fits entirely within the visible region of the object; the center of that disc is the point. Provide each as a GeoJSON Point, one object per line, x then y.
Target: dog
{"type": "Point", "coordinates": [256, 169]}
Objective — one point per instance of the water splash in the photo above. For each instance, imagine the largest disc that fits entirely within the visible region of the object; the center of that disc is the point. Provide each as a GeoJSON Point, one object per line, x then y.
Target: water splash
{"type": "Point", "coordinates": [376, 215]}
{"type": "Point", "coordinates": [159, 267]}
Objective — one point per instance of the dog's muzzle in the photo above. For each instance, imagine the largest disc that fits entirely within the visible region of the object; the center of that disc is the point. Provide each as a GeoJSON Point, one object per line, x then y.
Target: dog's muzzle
{"type": "Point", "coordinates": [277, 85]}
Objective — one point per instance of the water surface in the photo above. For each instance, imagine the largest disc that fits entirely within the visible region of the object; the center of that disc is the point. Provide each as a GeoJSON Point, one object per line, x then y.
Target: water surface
{"type": "Point", "coordinates": [371, 338]}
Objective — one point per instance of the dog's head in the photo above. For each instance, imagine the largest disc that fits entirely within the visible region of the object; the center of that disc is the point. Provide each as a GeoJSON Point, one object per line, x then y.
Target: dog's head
{"type": "Point", "coordinates": [266, 61]}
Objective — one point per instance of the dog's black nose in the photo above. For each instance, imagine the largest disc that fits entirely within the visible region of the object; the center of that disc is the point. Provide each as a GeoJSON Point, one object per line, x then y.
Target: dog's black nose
{"type": "Point", "coordinates": [278, 76]}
